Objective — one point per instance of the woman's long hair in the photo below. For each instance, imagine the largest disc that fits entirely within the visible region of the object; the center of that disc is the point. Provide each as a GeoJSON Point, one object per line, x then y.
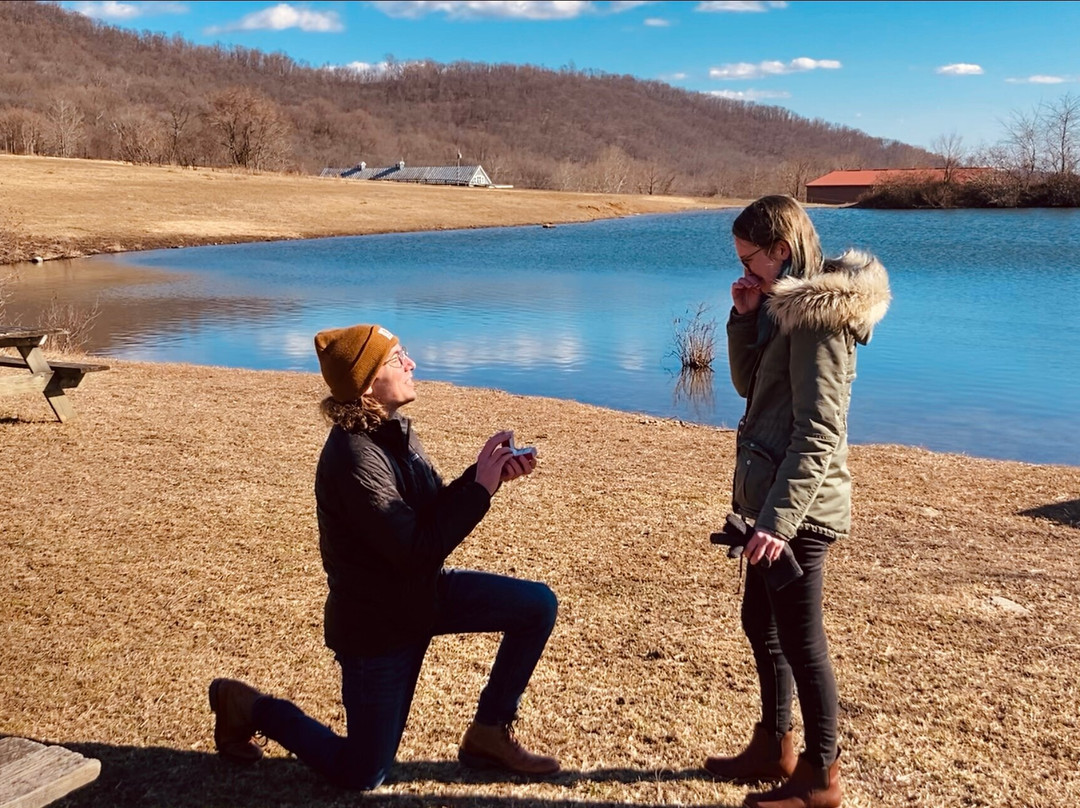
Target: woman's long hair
{"type": "Point", "coordinates": [363, 415]}
{"type": "Point", "coordinates": [780, 218]}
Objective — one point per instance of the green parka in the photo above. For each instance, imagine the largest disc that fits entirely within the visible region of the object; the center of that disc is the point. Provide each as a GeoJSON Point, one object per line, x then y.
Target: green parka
{"type": "Point", "coordinates": [793, 359]}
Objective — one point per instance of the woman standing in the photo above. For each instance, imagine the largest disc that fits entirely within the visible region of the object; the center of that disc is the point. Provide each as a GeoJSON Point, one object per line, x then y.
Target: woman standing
{"type": "Point", "coordinates": [792, 334]}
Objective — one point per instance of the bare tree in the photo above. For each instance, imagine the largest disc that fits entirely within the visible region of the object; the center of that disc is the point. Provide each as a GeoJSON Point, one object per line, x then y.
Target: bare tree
{"type": "Point", "coordinates": [1021, 144]}
{"type": "Point", "coordinates": [250, 127]}
{"type": "Point", "coordinates": [951, 154]}
{"type": "Point", "coordinates": [178, 116]}
{"type": "Point", "coordinates": [1061, 130]}
{"type": "Point", "coordinates": [22, 131]}
{"type": "Point", "coordinates": [608, 173]}
{"type": "Point", "coordinates": [66, 121]}
{"type": "Point", "coordinates": [140, 137]}
{"type": "Point", "coordinates": [655, 178]}
{"type": "Point", "coordinates": [795, 173]}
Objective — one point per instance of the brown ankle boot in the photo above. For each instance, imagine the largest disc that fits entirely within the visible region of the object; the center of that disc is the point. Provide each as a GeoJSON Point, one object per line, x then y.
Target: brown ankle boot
{"type": "Point", "coordinates": [808, 787]}
{"type": "Point", "coordinates": [486, 746]}
{"type": "Point", "coordinates": [766, 759]}
{"type": "Point", "coordinates": [232, 702]}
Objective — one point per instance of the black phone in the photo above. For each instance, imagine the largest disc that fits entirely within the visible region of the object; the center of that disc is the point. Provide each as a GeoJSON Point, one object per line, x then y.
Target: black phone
{"type": "Point", "coordinates": [737, 533]}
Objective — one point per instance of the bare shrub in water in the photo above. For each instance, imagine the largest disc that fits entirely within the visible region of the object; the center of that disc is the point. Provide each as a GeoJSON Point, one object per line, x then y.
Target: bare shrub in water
{"type": "Point", "coordinates": [73, 322]}
{"type": "Point", "coordinates": [695, 339]}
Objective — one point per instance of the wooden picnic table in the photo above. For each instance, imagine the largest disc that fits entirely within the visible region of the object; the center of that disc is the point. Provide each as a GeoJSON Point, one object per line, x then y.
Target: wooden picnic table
{"type": "Point", "coordinates": [50, 377]}
{"type": "Point", "coordinates": [32, 774]}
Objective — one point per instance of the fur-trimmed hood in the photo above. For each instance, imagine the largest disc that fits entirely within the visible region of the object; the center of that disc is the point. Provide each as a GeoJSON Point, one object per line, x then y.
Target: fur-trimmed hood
{"type": "Point", "coordinates": [852, 292]}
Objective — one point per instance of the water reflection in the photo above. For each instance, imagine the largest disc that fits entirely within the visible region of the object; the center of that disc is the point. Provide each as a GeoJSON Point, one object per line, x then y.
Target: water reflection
{"type": "Point", "coordinates": [134, 301]}
{"type": "Point", "coordinates": [524, 351]}
{"type": "Point", "coordinates": [694, 388]}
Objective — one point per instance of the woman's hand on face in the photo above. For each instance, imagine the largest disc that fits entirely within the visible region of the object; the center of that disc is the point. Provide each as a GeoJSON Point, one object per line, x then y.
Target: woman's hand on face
{"type": "Point", "coordinates": [746, 294]}
{"type": "Point", "coordinates": [763, 544]}
{"type": "Point", "coordinates": [492, 460]}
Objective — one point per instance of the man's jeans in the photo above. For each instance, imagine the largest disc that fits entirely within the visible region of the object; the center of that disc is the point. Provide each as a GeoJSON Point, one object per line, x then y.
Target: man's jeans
{"type": "Point", "coordinates": [378, 690]}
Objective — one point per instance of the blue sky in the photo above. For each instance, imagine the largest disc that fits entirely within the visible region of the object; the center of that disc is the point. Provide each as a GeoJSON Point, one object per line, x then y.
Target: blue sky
{"type": "Point", "coordinates": [913, 71]}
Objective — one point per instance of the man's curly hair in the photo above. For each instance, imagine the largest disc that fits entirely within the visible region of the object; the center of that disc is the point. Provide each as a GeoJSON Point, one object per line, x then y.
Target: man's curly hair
{"type": "Point", "coordinates": [364, 415]}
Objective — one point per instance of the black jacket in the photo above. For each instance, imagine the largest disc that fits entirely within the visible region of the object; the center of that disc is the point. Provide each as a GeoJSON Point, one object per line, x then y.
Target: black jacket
{"type": "Point", "coordinates": [387, 522]}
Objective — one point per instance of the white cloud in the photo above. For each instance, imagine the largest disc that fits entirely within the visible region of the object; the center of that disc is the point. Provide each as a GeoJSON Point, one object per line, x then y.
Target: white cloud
{"type": "Point", "coordinates": [959, 69]}
{"type": "Point", "coordinates": [673, 77]}
{"type": "Point", "coordinates": [1039, 80]}
{"type": "Point", "coordinates": [281, 17]}
{"type": "Point", "coordinates": [109, 10]}
{"type": "Point", "coordinates": [738, 6]}
{"type": "Point", "coordinates": [114, 10]}
{"type": "Point", "coordinates": [657, 22]}
{"type": "Point", "coordinates": [367, 67]}
{"type": "Point", "coordinates": [749, 95]}
{"type": "Point", "coordinates": [377, 68]}
{"type": "Point", "coordinates": [748, 70]}
{"type": "Point", "coordinates": [488, 9]}
{"type": "Point", "coordinates": [504, 9]}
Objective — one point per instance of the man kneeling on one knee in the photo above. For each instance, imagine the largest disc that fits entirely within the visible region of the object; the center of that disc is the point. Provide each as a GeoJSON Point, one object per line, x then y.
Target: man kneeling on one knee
{"type": "Point", "coordinates": [387, 522]}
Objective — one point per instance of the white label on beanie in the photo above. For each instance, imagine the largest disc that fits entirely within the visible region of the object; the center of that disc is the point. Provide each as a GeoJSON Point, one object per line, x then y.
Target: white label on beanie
{"type": "Point", "coordinates": [385, 333]}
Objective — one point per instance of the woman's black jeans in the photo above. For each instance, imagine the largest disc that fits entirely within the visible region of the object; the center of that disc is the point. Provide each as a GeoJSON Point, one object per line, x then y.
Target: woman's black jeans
{"type": "Point", "coordinates": [787, 633]}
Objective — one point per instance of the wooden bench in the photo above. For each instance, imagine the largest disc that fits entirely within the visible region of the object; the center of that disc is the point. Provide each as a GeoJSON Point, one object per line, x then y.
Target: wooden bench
{"type": "Point", "coordinates": [33, 774]}
{"type": "Point", "coordinates": [66, 375]}
{"type": "Point", "coordinates": [43, 376]}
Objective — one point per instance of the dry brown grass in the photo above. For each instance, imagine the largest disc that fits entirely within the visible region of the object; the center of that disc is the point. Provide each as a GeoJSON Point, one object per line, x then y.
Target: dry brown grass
{"type": "Point", "coordinates": [55, 208]}
{"type": "Point", "coordinates": [167, 536]}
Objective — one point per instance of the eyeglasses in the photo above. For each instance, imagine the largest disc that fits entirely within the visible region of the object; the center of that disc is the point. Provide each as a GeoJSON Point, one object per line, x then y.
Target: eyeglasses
{"type": "Point", "coordinates": [745, 259]}
{"type": "Point", "coordinates": [398, 359]}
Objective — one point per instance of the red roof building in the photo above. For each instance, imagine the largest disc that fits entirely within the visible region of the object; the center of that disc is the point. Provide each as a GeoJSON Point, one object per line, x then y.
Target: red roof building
{"type": "Point", "coordinates": [843, 187]}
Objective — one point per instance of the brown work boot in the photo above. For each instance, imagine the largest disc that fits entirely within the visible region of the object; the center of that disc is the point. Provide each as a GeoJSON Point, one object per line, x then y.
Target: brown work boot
{"type": "Point", "coordinates": [808, 787]}
{"type": "Point", "coordinates": [765, 759]}
{"type": "Point", "coordinates": [486, 746]}
{"type": "Point", "coordinates": [232, 702]}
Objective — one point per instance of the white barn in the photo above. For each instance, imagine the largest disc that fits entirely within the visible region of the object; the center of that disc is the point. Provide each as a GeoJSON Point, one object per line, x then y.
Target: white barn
{"type": "Point", "coordinates": [472, 176]}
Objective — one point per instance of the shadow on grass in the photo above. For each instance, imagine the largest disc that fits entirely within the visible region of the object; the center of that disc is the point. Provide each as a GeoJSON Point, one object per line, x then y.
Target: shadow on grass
{"type": "Point", "coordinates": [1064, 513]}
{"type": "Point", "coordinates": [159, 776]}
{"type": "Point", "coordinates": [447, 771]}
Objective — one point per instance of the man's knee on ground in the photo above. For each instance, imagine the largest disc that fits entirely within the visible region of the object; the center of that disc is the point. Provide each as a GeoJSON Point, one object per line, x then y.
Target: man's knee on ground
{"type": "Point", "coordinates": [542, 605]}
{"type": "Point", "coordinates": [361, 779]}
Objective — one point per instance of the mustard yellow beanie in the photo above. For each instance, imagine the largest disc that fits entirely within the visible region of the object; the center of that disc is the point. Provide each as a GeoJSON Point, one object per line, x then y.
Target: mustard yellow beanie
{"type": "Point", "coordinates": [350, 357]}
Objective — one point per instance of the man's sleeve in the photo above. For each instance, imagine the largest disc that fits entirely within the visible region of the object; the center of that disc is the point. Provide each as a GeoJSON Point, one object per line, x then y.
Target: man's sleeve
{"type": "Point", "coordinates": [404, 536]}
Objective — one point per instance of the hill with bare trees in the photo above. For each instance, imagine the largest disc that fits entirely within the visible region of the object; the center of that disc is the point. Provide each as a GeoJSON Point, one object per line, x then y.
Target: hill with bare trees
{"type": "Point", "coordinates": [73, 87]}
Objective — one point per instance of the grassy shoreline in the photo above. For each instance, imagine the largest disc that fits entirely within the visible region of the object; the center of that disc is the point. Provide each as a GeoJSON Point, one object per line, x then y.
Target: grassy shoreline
{"type": "Point", "coordinates": [61, 208]}
{"type": "Point", "coordinates": [167, 536]}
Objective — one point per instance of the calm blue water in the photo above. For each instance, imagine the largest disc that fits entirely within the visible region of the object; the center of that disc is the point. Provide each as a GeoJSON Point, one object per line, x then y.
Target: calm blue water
{"type": "Point", "coordinates": [980, 352]}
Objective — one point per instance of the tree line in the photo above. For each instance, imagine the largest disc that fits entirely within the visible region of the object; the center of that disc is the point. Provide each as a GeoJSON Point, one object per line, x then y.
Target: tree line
{"type": "Point", "coordinates": [1035, 163]}
{"type": "Point", "coordinates": [74, 87]}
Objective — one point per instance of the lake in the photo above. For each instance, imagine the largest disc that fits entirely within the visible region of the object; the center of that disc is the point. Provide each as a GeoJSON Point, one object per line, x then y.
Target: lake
{"type": "Point", "coordinates": [979, 354]}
